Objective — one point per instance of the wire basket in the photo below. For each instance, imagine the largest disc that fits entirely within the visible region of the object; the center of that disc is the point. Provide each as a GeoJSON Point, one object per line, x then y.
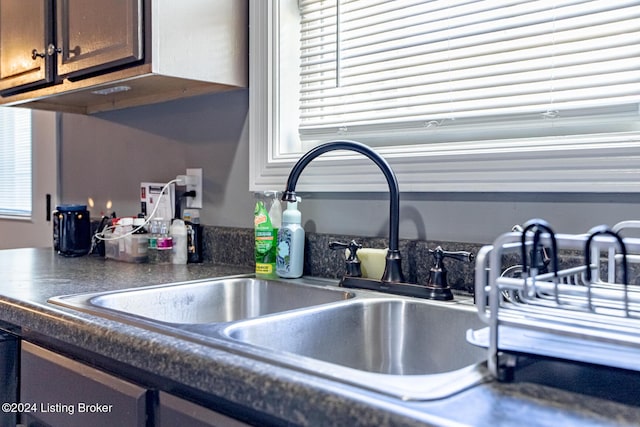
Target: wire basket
{"type": "Point", "coordinates": [585, 311]}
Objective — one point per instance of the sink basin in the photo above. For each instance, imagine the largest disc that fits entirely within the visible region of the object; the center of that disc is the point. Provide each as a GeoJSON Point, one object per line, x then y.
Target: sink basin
{"type": "Point", "coordinates": [213, 301]}
{"type": "Point", "coordinates": [396, 337]}
{"type": "Point", "coordinates": [412, 349]}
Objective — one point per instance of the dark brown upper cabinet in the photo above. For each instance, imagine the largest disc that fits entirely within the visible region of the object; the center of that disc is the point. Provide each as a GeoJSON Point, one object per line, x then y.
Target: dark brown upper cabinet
{"type": "Point", "coordinates": [94, 55]}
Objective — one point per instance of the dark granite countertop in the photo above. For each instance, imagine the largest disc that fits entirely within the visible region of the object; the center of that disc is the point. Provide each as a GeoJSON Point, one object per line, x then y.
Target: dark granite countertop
{"type": "Point", "coordinates": [240, 385]}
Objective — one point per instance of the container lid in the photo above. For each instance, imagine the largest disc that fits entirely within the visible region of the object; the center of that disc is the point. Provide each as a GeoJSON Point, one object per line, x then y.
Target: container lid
{"type": "Point", "coordinates": [164, 243]}
{"type": "Point", "coordinates": [71, 208]}
{"type": "Point", "coordinates": [178, 227]}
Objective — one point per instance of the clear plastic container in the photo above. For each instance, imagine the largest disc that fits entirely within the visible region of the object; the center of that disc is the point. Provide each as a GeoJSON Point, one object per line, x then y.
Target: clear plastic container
{"type": "Point", "coordinates": [125, 226]}
{"type": "Point", "coordinates": [114, 244]}
{"type": "Point", "coordinates": [158, 229]}
{"type": "Point", "coordinates": [119, 245]}
{"type": "Point", "coordinates": [164, 243]}
{"type": "Point", "coordinates": [139, 242]}
{"type": "Point", "coordinates": [164, 249]}
{"type": "Point", "coordinates": [111, 247]}
{"type": "Point", "coordinates": [152, 248]}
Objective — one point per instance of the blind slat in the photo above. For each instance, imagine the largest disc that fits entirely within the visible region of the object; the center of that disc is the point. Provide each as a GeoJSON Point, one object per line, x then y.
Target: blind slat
{"type": "Point", "coordinates": [407, 83]}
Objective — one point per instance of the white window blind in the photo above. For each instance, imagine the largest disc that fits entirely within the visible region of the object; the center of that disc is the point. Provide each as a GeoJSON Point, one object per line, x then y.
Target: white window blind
{"type": "Point", "coordinates": [376, 65]}
{"type": "Point", "coordinates": [15, 162]}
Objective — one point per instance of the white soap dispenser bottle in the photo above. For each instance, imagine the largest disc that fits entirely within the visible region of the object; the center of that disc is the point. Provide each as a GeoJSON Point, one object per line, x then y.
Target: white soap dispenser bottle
{"type": "Point", "coordinates": [290, 258]}
{"type": "Point", "coordinates": [178, 232]}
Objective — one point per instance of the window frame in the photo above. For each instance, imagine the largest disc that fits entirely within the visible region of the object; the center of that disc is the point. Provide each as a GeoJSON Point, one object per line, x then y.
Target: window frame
{"type": "Point", "coordinates": [594, 163]}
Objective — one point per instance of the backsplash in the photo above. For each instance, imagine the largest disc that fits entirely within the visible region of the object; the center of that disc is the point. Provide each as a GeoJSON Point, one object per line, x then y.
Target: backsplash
{"type": "Point", "coordinates": [235, 246]}
{"type": "Point", "coordinates": [228, 245]}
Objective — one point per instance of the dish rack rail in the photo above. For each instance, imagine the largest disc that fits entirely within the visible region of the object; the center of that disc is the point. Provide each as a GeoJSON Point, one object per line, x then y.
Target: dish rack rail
{"type": "Point", "coordinates": [585, 311]}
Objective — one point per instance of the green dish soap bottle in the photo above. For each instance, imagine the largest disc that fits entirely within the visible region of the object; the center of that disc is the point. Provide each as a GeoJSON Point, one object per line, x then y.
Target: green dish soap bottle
{"type": "Point", "coordinates": [267, 224]}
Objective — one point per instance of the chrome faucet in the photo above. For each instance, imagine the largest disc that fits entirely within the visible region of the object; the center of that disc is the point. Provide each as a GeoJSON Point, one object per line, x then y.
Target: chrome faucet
{"type": "Point", "coordinates": [393, 265]}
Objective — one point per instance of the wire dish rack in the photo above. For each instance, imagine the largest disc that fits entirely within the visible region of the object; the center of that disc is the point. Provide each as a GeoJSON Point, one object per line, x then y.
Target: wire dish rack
{"type": "Point", "coordinates": [586, 312]}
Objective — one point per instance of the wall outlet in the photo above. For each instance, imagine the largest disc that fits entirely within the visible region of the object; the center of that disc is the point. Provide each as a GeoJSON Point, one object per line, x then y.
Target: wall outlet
{"type": "Point", "coordinates": [195, 202]}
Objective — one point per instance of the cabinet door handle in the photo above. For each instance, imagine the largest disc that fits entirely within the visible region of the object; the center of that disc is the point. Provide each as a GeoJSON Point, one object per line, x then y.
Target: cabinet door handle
{"type": "Point", "coordinates": [51, 50]}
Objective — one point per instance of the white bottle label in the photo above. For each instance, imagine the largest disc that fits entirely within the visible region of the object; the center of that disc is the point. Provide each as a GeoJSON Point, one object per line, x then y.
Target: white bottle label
{"type": "Point", "coordinates": [283, 258]}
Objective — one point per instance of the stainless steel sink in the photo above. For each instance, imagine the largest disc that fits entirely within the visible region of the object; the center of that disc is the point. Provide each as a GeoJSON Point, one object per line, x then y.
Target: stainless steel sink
{"type": "Point", "coordinates": [211, 301]}
{"type": "Point", "coordinates": [407, 348]}
{"type": "Point", "coordinates": [400, 346]}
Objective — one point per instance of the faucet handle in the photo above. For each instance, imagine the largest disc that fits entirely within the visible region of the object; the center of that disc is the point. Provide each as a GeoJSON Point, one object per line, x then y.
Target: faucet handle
{"type": "Point", "coordinates": [352, 261]}
{"type": "Point", "coordinates": [439, 254]}
{"type": "Point", "coordinates": [437, 283]}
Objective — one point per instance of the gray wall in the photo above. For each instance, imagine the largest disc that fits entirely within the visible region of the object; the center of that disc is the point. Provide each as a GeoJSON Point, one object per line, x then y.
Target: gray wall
{"type": "Point", "coordinates": [106, 156]}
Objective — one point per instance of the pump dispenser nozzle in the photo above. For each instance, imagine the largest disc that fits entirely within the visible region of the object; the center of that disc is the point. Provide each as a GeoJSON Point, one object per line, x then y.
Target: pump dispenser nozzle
{"type": "Point", "coordinates": [292, 215]}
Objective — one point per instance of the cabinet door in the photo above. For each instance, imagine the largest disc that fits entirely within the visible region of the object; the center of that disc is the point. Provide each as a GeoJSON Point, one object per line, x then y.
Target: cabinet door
{"type": "Point", "coordinates": [179, 412]}
{"type": "Point", "coordinates": [95, 35]}
{"type": "Point", "coordinates": [25, 28]}
{"type": "Point", "coordinates": [8, 377]}
{"type": "Point", "coordinates": [62, 392]}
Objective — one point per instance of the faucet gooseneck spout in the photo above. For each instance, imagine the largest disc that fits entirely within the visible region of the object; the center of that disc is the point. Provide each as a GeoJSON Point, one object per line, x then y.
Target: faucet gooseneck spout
{"type": "Point", "coordinates": [393, 266]}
